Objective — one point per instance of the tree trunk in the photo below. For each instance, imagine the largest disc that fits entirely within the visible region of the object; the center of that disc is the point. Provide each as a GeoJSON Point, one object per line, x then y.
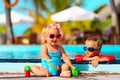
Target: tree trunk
{"type": "Point", "coordinates": [10, 36]}
{"type": "Point", "coordinates": [116, 17]}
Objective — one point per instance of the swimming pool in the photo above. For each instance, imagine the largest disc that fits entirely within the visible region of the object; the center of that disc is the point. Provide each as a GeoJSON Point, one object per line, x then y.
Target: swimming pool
{"type": "Point", "coordinates": [33, 51]}
{"type": "Point", "coordinates": [14, 57]}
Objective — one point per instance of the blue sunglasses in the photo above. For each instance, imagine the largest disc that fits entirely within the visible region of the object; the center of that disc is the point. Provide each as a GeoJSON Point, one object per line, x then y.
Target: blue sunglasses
{"type": "Point", "coordinates": [91, 49]}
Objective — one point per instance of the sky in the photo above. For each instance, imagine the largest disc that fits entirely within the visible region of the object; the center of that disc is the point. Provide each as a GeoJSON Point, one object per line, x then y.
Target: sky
{"type": "Point", "coordinates": [89, 5]}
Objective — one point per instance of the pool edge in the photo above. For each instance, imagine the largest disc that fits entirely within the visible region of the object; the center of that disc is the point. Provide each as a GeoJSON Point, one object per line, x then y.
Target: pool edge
{"type": "Point", "coordinates": [82, 68]}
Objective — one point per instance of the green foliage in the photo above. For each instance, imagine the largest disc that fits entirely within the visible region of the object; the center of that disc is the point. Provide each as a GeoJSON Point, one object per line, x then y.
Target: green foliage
{"type": "Point", "coordinates": [99, 8]}
{"type": "Point", "coordinates": [58, 5]}
{"type": "Point", "coordinates": [104, 24]}
{"type": "Point", "coordinates": [27, 32]}
{"type": "Point", "coordinates": [2, 28]}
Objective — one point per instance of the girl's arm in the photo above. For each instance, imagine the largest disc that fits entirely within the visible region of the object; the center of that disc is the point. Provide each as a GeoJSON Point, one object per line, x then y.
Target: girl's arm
{"type": "Point", "coordinates": [66, 58]}
{"type": "Point", "coordinates": [43, 52]}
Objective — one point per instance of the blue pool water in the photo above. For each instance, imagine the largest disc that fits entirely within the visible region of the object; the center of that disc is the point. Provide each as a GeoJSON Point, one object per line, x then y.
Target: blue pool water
{"type": "Point", "coordinates": [16, 57]}
{"type": "Point", "coordinates": [33, 51]}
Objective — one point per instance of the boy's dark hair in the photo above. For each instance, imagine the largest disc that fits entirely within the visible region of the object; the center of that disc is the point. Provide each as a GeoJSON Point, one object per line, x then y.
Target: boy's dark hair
{"type": "Point", "coordinates": [97, 40]}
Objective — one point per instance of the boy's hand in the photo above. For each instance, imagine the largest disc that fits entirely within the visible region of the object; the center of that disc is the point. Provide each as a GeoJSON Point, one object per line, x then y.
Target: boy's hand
{"type": "Point", "coordinates": [95, 61]}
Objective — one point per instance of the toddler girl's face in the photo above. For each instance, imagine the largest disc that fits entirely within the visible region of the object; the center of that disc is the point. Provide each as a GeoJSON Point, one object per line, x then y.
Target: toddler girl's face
{"type": "Point", "coordinates": [91, 49]}
{"type": "Point", "coordinates": [53, 36]}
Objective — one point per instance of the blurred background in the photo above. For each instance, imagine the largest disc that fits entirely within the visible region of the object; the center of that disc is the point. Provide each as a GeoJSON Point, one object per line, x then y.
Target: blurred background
{"type": "Point", "coordinates": [21, 21]}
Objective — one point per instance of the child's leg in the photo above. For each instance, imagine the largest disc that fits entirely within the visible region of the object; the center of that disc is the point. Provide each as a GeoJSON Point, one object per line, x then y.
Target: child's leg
{"type": "Point", "coordinates": [39, 71]}
{"type": "Point", "coordinates": [65, 72]}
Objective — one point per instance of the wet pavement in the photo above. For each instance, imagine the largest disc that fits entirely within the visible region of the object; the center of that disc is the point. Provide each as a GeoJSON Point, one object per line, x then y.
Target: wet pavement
{"type": "Point", "coordinates": [20, 76]}
{"type": "Point", "coordinates": [14, 71]}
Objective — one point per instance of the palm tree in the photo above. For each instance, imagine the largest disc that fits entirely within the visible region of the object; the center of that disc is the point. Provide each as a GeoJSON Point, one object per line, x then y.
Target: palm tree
{"type": "Point", "coordinates": [116, 16]}
{"type": "Point", "coordinates": [49, 7]}
{"type": "Point", "coordinates": [101, 24]}
{"type": "Point", "coordinates": [56, 5]}
{"type": "Point", "coordinates": [9, 36]}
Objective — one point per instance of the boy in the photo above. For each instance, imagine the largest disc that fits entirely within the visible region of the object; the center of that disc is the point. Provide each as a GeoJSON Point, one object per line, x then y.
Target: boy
{"type": "Point", "coordinates": [92, 50]}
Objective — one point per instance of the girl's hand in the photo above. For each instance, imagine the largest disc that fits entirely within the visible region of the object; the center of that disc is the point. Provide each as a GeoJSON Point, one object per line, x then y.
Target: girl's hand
{"type": "Point", "coordinates": [73, 67]}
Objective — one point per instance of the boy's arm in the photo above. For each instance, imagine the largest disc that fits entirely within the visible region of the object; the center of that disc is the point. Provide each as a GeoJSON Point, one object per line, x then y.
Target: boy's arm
{"type": "Point", "coordinates": [107, 58]}
{"type": "Point", "coordinates": [102, 58]}
{"type": "Point", "coordinates": [78, 58]}
{"type": "Point", "coordinates": [43, 52]}
{"type": "Point", "coordinates": [95, 60]}
{"type": "Point", "coordinates": [66, 58]}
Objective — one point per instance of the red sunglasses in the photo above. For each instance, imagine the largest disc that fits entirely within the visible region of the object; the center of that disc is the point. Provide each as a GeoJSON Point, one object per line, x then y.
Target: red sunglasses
{"type": "Point", "coordinates": [53, 36]}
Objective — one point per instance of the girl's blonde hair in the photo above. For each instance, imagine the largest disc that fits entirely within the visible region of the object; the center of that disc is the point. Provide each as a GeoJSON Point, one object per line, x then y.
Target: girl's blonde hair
{"type": "Point", "coordinates": [45, 29]}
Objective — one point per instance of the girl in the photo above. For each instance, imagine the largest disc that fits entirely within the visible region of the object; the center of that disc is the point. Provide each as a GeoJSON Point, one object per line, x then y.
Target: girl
{"type": "Point", "coordinates": [50, 50]}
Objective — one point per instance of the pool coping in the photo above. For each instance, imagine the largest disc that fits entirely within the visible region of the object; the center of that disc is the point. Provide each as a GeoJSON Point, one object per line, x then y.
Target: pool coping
{"type": "Point", "coordinates": [18, 67]}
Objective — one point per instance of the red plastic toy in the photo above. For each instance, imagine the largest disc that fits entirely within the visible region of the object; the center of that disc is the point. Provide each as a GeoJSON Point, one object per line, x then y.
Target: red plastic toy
{"type": "Point", "coordinates": [27, 70]}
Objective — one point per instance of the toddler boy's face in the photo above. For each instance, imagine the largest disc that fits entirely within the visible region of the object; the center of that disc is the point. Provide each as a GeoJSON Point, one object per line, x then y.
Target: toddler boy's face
{"type": "Point", "coordinates": [91, 49]}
